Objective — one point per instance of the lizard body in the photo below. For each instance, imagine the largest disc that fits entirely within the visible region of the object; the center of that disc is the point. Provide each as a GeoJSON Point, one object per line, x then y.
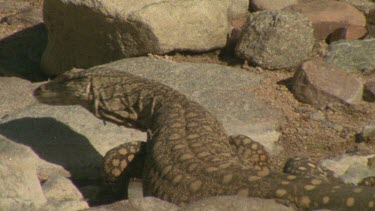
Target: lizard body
{"type": "Point", "coordinates": [188, 155]}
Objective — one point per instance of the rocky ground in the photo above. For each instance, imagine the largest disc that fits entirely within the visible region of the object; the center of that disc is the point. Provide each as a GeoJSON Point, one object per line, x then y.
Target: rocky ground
{"type": "Point", "coordinates": [305, 130]}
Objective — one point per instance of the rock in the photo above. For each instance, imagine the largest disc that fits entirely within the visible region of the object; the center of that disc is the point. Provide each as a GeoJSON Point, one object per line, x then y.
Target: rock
{"type": "Point", "coordinates": [319, 84]}
{"type": "Point", "coordinates": [20, 187]}
{"type": "Point", "coordinates": [26, 17]}
{"type": "Point", "coordinates": [63, 195]}
{"type": "Point", "coordinates": [141, 204]}
{"type": "Point", "coordinates": [260, 5]}
{"type": "Point", "coordinates": [318, 116]}
{"type": "Point", "coordinates": [371, 16]}
{"type": "Point", "coordinates": [135, 189]}
{"type": "Point", "coordinates": [352, 55]}
{"type": "Point", "coordinates": [350, 169]}
{"type": "Point", "coordinates": [328, 16]}
{"type": "Point", "coordinates": [275, 40]}
{"type": "Point", "coordinates": [235, 34]}
{"type": "Point", "coordinates": [362, 5]}
{"type": "Point", "coordinates": [368, 133]}
{"type": "Point", "coordinates": [238, 9]}
{"type": "Point", "coordinates": [15, 94]}
{"type": "Point", "coordinates": [69, 136]}
{"type": "Point", "coordinates": [219, 89]}
{"type": "Point", "coordinates": [46, 170]}
{"type": "Point", "coordinates": [238, 203]}
{"type": "Point", "coordinates": [369, 91]}
{"type": "Point", "coordinates": [129, 29]}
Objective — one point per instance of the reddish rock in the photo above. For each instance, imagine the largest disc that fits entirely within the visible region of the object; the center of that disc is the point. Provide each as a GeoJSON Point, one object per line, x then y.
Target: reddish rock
{"type": "Point", "coordinates": [237, 25]}
{"type": "Point", "coordinates": [329, 16]}
{"type": "Point", "coordinates": [369, 91]}
{"type": "Point", "coordinates": [319, 84]}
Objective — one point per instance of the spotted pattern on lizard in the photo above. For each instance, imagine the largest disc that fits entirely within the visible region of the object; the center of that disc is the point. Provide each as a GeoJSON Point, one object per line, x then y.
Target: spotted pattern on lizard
{"type": "Point", "coordinates": [188, 155]}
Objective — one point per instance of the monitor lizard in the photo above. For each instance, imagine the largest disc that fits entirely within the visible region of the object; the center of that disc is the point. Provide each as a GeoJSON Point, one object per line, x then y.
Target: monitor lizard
{"type": "Point", "coordinates": [188, 155]}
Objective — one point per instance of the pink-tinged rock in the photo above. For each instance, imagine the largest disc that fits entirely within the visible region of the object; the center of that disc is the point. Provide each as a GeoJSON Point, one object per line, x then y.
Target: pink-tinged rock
{"type": "Point", "coordinates": [237, 25]}
{"type": "Point", "coordinates": [346, 33]}
{"type": "Point", "coordinates": [319, 84]}
{"type": "Point", "coordinates": [369, 91]}
{"type": "Point", "coordinates": [328, 16]}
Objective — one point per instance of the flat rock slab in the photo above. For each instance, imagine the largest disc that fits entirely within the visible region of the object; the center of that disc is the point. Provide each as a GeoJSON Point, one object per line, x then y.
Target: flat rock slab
{"type": "Point", "coordinates": [320, 84]}
{"type": "Point", "coordinates": [328, 16]}
{"type": "Point", "coordinates": [219, 89]}
{"type": "Point", "coordinates": [353, 55]}
{"type": "Point", "coordinates": [100, 31]}
{"type": "Point", "coordinates": [68, 136]}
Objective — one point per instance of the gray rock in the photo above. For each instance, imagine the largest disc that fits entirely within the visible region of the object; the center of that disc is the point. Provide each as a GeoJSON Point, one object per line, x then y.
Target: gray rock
{"type": "Point", "coordinates": [96, 32]}
{"type": "Point", "coordinates": [238, 203]}
{"type": "Point", "coordinates": [46, 170]}
{"type": "Point", "coordinates": [369, 91]}
{"type": "Point", "coordinates": [353, 55]}
{"type": "Point", "coordinates": [368, 133]}
{"type": "Point", "coordinates": [320, 84]}
{"type": "Point", "coordinates": [62, 195]}
{"type": "Point", "coordinates": [15, 94]}
{"type": "Point", "coordinates": [276, 39]}
{"type": "Point", "coordinates": [259, 5]}
{"type": "Point", "coordinates": [139, 204]}
{"type": "Point", "coordinates": [238, 8]}
{"type": "Point", "coordinates": [219, 89]}
{"type": "Point", "coordinates": [20, 187]}
{"type": "Point", "coordinates": [318, 116]}
{"type": "Point", "coordinates": [350, 169]}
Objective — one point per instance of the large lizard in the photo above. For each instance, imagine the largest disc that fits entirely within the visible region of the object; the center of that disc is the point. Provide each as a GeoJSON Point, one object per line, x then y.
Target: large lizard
{"type": "Point", "coordinates": [188, 155]}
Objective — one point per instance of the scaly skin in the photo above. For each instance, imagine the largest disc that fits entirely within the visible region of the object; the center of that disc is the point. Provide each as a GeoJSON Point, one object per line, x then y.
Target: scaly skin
{"type": "Point", "coordinates": [188, 155]}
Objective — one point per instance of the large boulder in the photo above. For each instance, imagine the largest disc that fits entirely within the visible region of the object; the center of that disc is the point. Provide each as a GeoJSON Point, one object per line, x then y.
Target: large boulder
{"type": "Point", "coordinates": [87, 33]}
{"type": "Point", "coordinates": [276, 39]}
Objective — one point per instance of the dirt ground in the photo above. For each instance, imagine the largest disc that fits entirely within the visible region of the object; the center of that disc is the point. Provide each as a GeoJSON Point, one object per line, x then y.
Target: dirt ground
{"type": "Point", "coordinates": [306, 131]}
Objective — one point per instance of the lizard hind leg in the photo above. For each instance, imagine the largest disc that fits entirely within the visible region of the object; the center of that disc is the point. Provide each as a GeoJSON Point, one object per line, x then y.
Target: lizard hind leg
{"type": "Point", "coordinates": [250, 151]}
{"type": "Point", "coordinates": [304, 166]}
{"type": "Point", "coordinates": [122, 163]}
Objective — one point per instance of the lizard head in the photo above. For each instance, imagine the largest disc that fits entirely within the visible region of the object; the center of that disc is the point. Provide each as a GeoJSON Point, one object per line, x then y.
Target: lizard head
{"type": "Point", "coordinates": [70, 88]}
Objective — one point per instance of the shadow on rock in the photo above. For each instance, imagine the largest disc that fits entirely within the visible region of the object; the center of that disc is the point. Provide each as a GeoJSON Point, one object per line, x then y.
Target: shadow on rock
{"type": "Point", "coordinates": [20, 53]}
{"type": "Point", "coordinates": [55, 142]}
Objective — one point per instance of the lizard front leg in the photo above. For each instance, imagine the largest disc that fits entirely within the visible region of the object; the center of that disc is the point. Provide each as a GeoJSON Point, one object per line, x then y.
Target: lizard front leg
{"type": "Point", "coordinates": [123, 163]}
